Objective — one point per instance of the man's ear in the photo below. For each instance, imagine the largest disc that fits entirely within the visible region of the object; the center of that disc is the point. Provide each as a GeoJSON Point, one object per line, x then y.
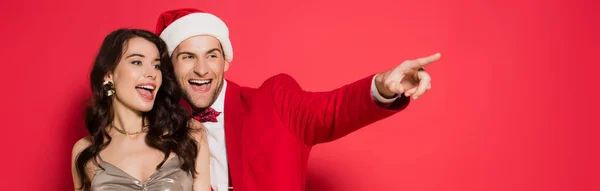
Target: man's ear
{"type": "Point", "coordinates": [226, 66]}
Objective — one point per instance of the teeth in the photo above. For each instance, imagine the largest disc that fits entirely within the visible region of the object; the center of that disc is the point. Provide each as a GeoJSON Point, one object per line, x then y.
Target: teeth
{"type": "Point", "coordinates": [146, 87]}
{"type": "Point", "coordinates": [201, 82]}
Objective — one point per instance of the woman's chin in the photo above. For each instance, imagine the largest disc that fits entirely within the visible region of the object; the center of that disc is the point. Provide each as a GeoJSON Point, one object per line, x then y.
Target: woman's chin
{"type": "Point", "coordinates": [145, 107]}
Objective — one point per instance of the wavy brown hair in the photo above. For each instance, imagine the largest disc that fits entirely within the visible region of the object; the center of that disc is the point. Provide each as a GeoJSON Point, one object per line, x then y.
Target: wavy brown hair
{"type": "Point", "coordinates": [168, 129]}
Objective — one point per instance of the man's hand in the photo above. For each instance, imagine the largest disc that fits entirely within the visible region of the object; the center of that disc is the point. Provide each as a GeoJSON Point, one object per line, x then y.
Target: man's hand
{"type": "Point", "coordinates": [408, 78]}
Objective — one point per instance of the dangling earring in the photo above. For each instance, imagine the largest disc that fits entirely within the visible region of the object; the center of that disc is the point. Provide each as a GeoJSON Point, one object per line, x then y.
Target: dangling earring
{"type": "Point", "coordinates": [109, 87]}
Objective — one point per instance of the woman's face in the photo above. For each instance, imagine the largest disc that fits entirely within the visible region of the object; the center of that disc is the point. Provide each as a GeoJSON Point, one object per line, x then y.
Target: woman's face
{"type": "Point", "coordinates": [137, 76]}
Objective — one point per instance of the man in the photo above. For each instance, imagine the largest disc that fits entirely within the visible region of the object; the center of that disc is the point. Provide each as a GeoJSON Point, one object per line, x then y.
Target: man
{"type": "Point", "coordinates": [260, 138]}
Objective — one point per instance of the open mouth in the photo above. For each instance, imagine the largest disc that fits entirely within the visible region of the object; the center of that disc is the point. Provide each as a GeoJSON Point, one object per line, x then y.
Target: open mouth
{"type": "Point", "coordinates": [146, 91]}
{"type": "Point", "coordinates": [200, 85]}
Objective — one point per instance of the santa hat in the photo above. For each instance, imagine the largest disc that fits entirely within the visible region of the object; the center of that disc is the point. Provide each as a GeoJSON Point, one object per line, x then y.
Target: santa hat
{"type": "Point", "coordinates": [177, 25]}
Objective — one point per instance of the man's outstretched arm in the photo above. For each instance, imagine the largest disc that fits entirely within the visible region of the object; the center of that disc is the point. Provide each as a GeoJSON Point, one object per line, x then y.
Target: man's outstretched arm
{"type": "Point", "coordinates": [318, 117]}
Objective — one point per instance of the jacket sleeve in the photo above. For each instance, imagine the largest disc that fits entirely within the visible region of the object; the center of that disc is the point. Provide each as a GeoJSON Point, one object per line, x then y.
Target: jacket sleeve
{"type": "Point", "coordinates": [318, 117]}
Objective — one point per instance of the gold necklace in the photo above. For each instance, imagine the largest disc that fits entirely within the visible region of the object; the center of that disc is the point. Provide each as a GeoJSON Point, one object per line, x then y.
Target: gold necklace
{"type": "Point", "coordinates": [122, 131]}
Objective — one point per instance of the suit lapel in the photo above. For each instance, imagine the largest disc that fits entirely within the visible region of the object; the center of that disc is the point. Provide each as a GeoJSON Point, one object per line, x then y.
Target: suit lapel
{"type": "Point", "coordinates": [234, 123]}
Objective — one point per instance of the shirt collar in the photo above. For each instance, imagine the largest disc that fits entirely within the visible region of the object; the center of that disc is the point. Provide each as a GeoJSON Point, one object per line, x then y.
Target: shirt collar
{"type": "Point", "coordinates": [219, 103]}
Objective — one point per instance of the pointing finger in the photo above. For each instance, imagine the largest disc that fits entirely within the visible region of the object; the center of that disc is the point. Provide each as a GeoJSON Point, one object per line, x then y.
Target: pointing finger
{"type": "Point", "coordinates": [421, 62]}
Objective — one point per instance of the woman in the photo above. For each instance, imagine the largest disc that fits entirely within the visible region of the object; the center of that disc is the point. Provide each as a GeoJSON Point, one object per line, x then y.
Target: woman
{"type": "Point", "coordinates": [140, 137]}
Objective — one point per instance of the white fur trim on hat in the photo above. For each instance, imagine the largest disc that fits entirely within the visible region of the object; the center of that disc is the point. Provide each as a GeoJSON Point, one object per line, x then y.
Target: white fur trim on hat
{"type": "Point", "coordinates": [196, 24]}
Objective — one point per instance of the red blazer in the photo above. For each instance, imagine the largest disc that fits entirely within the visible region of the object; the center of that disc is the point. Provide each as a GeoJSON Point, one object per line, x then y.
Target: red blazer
{"type": "Point", "coordinates": [269, 131]}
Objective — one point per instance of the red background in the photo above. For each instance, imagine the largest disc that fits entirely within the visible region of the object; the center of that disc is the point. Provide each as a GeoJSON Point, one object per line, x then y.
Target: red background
{"type": "Point", "coordinates": [512, 105]}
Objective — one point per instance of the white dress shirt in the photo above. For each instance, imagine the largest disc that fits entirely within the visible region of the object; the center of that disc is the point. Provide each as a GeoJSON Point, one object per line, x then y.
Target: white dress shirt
{"type": "Point", "coordinates": [219, 177]}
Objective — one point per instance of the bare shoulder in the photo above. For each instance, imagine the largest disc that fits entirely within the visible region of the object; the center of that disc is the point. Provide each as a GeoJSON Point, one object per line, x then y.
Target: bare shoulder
{"type": "Point", "coordinates": [81, 144]}
{"type": "Point", "coordinates": [78, 147]}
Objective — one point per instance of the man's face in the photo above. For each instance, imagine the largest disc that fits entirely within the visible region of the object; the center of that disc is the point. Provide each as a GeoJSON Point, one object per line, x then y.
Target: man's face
{"type": "Point", "coordinates": [199, 67]}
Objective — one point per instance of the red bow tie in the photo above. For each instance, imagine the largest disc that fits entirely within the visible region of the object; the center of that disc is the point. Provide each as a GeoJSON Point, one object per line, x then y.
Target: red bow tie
{"type": "Point", "coordinates": [208, 115]}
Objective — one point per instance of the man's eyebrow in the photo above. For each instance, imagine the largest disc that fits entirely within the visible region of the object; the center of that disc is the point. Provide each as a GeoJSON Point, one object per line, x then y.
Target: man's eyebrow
{"type": "Point", "coordinates": [213, 50]}
{"type": "Point", "coordinates": [179, 54]}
